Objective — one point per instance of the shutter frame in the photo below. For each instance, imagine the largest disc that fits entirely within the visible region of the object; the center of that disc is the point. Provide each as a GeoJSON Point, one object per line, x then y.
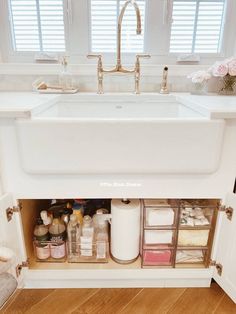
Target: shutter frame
{"type": "Point", "coordinates": [190, 33]}
{"type": "Point", "coordinates": [37, 25]}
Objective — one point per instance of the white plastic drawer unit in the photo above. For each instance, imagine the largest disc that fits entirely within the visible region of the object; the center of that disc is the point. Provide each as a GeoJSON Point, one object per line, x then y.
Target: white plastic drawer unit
{"type": "Point", "coordinates": [130, 136]}
{"type": "Point", "coordinates": [17, 234]}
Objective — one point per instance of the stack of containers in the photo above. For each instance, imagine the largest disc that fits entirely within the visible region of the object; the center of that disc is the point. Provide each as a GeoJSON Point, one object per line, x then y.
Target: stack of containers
{"type": "Point", "coordinates": [196, 224]}
{"type": "Point", "coordinates": [159, 232]}
{"type": "Point", "coordinates": [63, 232]}
{"type": "Point", "coordinates": [89, 241]}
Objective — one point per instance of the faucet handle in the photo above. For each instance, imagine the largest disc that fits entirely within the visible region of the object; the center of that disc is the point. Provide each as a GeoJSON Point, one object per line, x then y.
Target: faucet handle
{"type": "Point", "coordinates": [144, 56]}
{"type": "Point", "coordinates": [99, 57]}
{"type": "Point", "coordinates": [92, 56]}
{"type": "Point", "coordinates": [99, 71]}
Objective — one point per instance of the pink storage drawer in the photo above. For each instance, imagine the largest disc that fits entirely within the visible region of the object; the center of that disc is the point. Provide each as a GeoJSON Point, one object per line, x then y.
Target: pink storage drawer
{"type": "Point", "coordinates": [157, 257]}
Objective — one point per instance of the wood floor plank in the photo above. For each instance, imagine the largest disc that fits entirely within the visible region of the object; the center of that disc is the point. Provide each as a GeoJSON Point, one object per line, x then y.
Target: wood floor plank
{"type": "Point", "coordinates": [226, 306]}
{"type": "Point", "coordinates": [107, 301]}
{"type": "Point", "coordinates": [123, 301]}
{"type": "Point", "coordinates": [151, 301]}
{"type": "Point", "coordinates": [25, 299]}
{"type": "Point", "coordinates": [198, 300]}
{"type": "Point", "coordinates": [62, 301]}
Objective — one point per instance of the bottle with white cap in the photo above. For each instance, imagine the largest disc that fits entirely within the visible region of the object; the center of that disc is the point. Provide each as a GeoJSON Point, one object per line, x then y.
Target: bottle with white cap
{"type": "Point", "coordinates": [101, 233]}
{"type": "Point", "coordinates": [86, 240]}
{"type": "Point", "coordinates": [47, 220]}
{"type": "Point", "coordinates": [73, 234]}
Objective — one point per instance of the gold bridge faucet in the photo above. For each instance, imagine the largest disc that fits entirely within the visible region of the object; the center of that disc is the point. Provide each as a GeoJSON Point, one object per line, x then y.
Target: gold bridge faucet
{"type": "Point", "coordinates": [119, 68]}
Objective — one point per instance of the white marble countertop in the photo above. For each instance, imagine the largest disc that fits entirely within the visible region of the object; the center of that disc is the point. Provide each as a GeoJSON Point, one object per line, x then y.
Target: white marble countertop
{"type": "Point", "coordinates": [23, 104]}
{"type": "Point", "coordinates": [212, 106]}
{"type": "Point", "coordinates": [28, 104]}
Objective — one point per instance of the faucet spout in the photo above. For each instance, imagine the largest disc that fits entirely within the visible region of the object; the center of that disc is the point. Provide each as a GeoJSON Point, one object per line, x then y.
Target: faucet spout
{"type": "Point", "coordinates": [118, 67]}
{"type": "Point", "coordinates": [120, 19]}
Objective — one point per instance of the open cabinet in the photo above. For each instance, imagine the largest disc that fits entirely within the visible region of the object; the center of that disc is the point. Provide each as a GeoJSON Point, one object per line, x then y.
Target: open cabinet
{"type": "Point", "coordinates": [225, 272]}
{"type": "Point", "coordinates": [18, 229]}
{"type": "Point", "coordinates": [12, 238]}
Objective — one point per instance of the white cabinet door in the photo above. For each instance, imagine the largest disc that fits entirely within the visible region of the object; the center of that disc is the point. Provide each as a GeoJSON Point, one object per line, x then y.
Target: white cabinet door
{"type": "Point", "coordinates": [11, 233]}
{"type": "Point", "coordinates": [226, 251]}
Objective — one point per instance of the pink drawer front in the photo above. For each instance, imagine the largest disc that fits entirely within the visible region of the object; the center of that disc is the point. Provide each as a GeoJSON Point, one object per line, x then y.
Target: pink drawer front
{"type": "Point", "coordinates": [157, 257]}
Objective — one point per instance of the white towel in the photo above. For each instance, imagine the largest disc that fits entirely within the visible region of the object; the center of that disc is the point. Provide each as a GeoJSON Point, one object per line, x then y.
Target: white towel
{"type": "Point", "coordinates": [158, 236]}
{"type": "Point", "coordinates": [160, 216]}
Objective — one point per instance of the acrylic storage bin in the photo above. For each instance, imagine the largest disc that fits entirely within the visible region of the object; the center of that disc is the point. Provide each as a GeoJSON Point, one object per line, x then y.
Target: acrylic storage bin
{"type": "Point", "coordinates": [88, 253]}
{"type": "Point", "coordinates": [157, 258]}
{"type": "Point", "coordinates": [159, 213]}
{"type": "Point", "coordinates": [193, 238]}
{"type": "Point", "coordinates": [158, 238]}
{"type": "Point", "coordinates": [50, 251]}
{"type": "Point", "coordinates": [196, 216]}
{"type": "Point", "coordinates": [190, 257]}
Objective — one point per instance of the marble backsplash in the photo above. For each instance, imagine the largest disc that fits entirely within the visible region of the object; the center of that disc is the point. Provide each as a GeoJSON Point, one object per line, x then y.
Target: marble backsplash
{"type": "Point", "coordinates": [112, 83]}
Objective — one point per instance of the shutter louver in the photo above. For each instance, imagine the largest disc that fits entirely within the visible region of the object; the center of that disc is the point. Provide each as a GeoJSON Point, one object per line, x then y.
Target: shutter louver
{"type": "Point", "coordinates": [37, 25]}
{"type": "Point", "coordinates": [104, 16]}
{"type": "Point", "coordinates": [197, 26]}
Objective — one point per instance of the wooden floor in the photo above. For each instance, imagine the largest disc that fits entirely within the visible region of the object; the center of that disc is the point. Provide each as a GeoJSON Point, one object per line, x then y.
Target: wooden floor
{"type": "Point", "coordinates": [129, 301]}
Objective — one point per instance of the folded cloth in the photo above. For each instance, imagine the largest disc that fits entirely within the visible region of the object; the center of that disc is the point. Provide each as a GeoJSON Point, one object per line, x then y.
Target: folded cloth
{"type": "Point", "coordinates": [160, 216]}
{"type": "Point", "coordinates": [193, 237]}
{"type": "Point", "coordinates": [158, 236]}
{"type": "Point", "coordinates": [189, 256]}
{"type": "Point", "coordinates": [8, 285]}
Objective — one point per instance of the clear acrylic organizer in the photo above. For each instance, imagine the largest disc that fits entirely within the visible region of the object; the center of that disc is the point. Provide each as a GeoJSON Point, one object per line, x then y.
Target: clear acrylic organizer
{"type": "Point", "coordinates": [88, 253]}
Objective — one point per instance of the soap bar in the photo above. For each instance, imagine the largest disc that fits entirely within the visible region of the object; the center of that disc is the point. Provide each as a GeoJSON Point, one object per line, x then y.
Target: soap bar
{"type": "Point", "coordinates": [158, 236]}
{"type": "Point", "coordinates": [160, 216]}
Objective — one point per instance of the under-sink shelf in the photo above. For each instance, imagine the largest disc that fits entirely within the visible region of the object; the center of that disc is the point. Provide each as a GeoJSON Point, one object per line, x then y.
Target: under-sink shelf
{"type": "Point", "coordinates": [66, 265]}
{"type": "Point", "coordinates": [30, 209]}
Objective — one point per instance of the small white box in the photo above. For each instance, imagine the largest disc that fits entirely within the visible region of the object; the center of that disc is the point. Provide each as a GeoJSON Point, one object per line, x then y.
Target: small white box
{"type": "Point", "coordinates": [159, 216]}
{"type": "Point", "coordinates": [158, 236]}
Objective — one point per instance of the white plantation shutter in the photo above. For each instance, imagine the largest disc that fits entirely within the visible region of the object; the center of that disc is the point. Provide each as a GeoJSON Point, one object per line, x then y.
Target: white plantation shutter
{"type": "Point", "coordinates": [37, 25]}
{"type": "Point", "coordinates": [197, 26]}
{"type": "Point", "coordinates": [104, 16]}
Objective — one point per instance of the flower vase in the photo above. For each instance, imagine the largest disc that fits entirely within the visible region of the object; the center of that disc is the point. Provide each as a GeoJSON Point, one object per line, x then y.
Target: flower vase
{"type": "Point", "coordinates": [199, 88]}
{"type": "Point", "coordinates": [227, 85]}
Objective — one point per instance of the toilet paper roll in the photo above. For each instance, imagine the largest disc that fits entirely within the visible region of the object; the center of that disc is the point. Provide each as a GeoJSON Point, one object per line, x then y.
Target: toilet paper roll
{"type": "Point", "coordinates": [125, 229]}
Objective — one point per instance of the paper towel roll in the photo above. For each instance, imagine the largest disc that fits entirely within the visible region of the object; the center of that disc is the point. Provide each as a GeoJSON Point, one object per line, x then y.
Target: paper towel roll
{"type": "Point", "coordinates": [125, 230]}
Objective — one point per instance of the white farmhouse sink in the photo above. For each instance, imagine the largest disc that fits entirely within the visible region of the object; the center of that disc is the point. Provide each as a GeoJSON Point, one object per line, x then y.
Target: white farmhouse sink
{"type": "Point", "coordinates": [119, 135]}
{"type": "Point", "coordinates": [116, 110]}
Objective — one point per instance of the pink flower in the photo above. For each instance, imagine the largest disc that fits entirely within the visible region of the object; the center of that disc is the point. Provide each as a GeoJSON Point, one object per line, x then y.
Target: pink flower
{"type": "Point", "coordinates": [199, 76]}
{"type": "Point", "coordinates": [232, 67]}
{"type": "Point", "coordinates": [220, 69]}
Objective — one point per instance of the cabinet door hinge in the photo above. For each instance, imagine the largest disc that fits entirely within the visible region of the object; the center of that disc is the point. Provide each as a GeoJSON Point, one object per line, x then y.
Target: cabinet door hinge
{"type": "Point", "coordinates": [228, 210]}
{"type": "Point", "coordinates": [20, 266]}
{"type": "Point", "coordinates": [11, 210]}
{"type": "Point", "coordinates": [219, 267]}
